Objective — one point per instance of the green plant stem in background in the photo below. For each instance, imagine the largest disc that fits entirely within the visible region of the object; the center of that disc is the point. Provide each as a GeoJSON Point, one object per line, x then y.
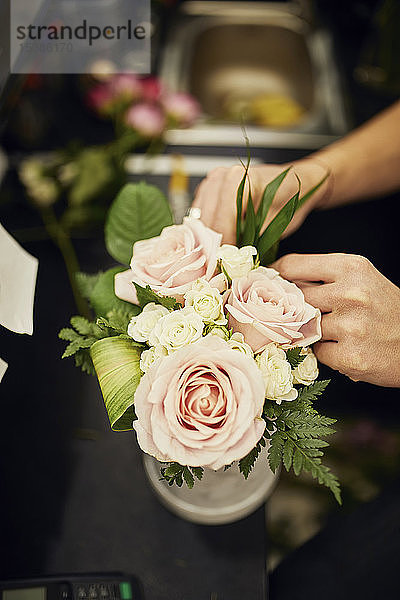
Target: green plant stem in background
{"type": "Point", "coordinates": [64, 243]}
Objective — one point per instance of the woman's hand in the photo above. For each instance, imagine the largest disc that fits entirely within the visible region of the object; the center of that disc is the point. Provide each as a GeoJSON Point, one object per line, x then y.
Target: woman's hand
{"type": "Point", "coordinates": [361, 314]}
{"type": "Point", "coordinates": [216, 194]}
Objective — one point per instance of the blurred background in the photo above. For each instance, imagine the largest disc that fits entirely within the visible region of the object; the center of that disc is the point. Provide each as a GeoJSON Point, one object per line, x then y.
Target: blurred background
{"type": "Point", "coordinates": [299, 75]}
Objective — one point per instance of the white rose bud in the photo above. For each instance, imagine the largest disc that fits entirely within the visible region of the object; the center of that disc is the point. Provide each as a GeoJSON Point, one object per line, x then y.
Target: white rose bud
{"type": "Point", "coordinates": [140, 327]}
{"type": "Point", "coordinates": [206, 301]}
{"type": "Point", "coordinates": [177, 329]}
{"type": "Point", "coordinates": [236, 262]}
{"type": "Point", "coordinates": [307, 371]}
{"type": "Point", "coordinates": [236, 342]}
{"type": "Point", "coordinates": [277, 374]}
{"type": "Point", "coordinates": [149, 357]}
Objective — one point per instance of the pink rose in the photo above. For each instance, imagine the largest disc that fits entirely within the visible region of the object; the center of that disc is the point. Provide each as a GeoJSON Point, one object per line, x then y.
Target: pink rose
{"type": "Point", "coordinates": [201, 406]}
{"type": "Point", "coordinates": [182, 108]}
{"type": "Point", "coordinates": [171, 262]}
{"type": "Point", "coordinates": [266, 308]}
{"type": "Point", "coordinates": [126, 86]}
{"type": "Point", "coordinates": [147, 119]}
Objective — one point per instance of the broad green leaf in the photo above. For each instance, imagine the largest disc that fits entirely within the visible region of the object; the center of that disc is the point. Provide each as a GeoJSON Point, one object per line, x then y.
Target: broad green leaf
{"type": "Point", "coordinates": [116, 363]}
{"type": "Point", "coordinates": [145, 295]}
{"type": "Point", "coordinates": [140, 211]}
{"type": "Point", "coordinates": [103, 298]}
{"type": "Point", "coordinates": [249, 228]}
{"type": "Point", "coordinates": [267, 199]}
{"type": "Point", "coordinates": [277, 226]}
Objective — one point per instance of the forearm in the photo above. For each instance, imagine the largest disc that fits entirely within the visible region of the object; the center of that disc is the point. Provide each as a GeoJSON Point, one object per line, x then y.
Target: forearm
{"type": "Point", "coordinates": [365, 163]}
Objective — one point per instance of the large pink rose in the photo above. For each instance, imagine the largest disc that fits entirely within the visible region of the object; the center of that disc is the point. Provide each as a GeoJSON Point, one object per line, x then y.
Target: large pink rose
{"type": "Point", "coordinates": [266, 308]}
{"type": "Point", "coordinates": [200, 406]}
{"type": "Point", "coordinates": [171, 262]}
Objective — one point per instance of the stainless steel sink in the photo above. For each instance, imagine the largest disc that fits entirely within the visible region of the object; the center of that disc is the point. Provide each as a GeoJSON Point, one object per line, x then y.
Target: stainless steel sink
{"type": "Point", "coordinates": [228, 53]}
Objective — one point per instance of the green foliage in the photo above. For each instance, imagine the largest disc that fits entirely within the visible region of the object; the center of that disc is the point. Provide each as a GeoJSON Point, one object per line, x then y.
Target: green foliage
{"type": "Point", "coordinates": [248, 229]}
{"type": "Point", "coordinates": [81, 337]}
{"type": "Point", "coordinates": [116, 323]}
{"type": "Point", "coordinates": [146, 295]}
{"type": "Point", "coordinates": [295, 357]}
{"type": "Point", "coordinates": [102, 296]}
{"type": "Point", "coordinates": [140, 211]}
{"type": "Point", "coordinates": [86, 283]}
{"type": "Point", "coordinates": [177, 474]}
{"type": "Point", "coordinates": [296, 440]}
{"type": "Point", "coordinates": [247, 463]}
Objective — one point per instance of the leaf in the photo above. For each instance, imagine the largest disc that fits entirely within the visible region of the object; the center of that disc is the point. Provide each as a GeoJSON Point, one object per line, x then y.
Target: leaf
{"type": "Point", "coordinates": [275, 451]}
{"type": "Point", "coordinates": [308, 195]}
{"type": "Point", "coordinates": [96, 172]}
{"type": "Point", "coordinates": [267, 199]}
{"type": "Point", "coordinates": [277, 226]}
{"type": "Point", "coordinates": [288, 454]}
{"type": "Point", "coordinates": [103, 298]}
{"type": "Point", "coordinates": [146, 295]}
{"type": "Point", "coordinates": [297, 461]}
{"type": "Point", "coordinates": [311, 392]}
{"type": "Point", "coordinates": [249, 230]}
{"type": "Point", "coordinates": [116, 362]}
{"type": "Point", "coordinates": [84, 361]}
{"type": "Point", "coordinates": [140, 211]}
{"type": "Point", "coordinates": [247, 463]}
{"type": "Point", "coordinates": [188, 477]}
{"type": "Point", "coordinates": [197, 472]}
{"type": "Point", "coordinates": [68, 334]}
{"type": "Point", "coordinates": [295, 357]}
{"type": "Point", "coordinates": [86, 283]}
{"type": "Point", "coordinates": [271, 254]}
{"type": "Point", "coordinates": [118, 322]}
{"type": "Point", "coordinates": [83, 326]}
{"type": "Point", "coordinates": [239, 204]}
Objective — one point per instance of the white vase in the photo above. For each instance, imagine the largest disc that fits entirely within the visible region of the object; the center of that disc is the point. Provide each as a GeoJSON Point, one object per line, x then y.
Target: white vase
{"type": "Point", "coordinates": [220, 497]}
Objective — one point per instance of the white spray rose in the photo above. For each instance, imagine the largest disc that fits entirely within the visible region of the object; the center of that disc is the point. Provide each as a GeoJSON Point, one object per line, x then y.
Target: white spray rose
{"type": "Point", "coordinates": [206, 301]}
{"type": "Point", "coordinates": [140, 327]}
{"type": "Point", "coordinates": [236, 342]}
{"type": "Point", "coordinates": [149, 357]}
{"type": "Point", "coordinates": [307, 371]}
{"type": "Point", "coordinates": [237, 262]}
{"type": "Point", "coordinates": [277, 374]}
{"type": "Point", "coordinates": [219, 331]}
{"type": "Point", "coordinates": [177, 329]}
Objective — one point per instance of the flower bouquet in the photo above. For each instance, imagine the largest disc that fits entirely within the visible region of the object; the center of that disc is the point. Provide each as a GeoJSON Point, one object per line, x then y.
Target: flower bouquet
{"type": "Point", "coordinates": [199, 348]}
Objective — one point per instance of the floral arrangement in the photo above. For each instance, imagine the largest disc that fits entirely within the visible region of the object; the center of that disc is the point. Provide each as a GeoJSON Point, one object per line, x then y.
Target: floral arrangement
{"type": "Point", "coordinates": [202, 351]}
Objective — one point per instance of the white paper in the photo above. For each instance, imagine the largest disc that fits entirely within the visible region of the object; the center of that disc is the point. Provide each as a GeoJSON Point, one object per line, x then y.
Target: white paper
{"type": "Point", "coordinates": [18, 270]}
{"type": "Point", "coordinates": [3, 368]}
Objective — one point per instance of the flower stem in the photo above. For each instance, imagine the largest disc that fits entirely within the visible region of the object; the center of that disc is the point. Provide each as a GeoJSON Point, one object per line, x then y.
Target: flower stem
{"type": "Point", "coordinates": [63, 241]}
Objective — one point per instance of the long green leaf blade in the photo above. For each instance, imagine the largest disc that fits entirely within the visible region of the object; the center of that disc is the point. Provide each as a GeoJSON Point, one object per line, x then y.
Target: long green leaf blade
{"type": "Point", "coordinates": [267, 199]}
{"type": "Point", "coordinates": [277, 226]}
{"type": "Point", "coordinates": [249, 230]}
{"type": "Point", "coordinates": [239, 205]}
{"type": "Point", "coordinates": [308, 195]}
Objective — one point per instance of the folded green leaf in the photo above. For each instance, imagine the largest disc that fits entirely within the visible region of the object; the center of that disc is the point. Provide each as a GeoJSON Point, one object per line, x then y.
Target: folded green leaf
{"type": "Point", "coordinates": [140, 211]}
{"type": "Point", "coordinates": [116, 362]}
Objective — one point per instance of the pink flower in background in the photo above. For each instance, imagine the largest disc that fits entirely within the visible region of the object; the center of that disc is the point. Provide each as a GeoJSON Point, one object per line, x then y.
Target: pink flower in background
{"type": "Point", "coordinates": [126, 86]}
{"type": "Point", "coordinates": [182, 108]}
{"type": "Point", "coordinates": [266, 308]}
{"type": "Point", "coordinates": [101, 99]}
{"type": "Point", "coordinates": [191, 411]}
{"type": "Point", "coordinates": [151, 88]}
{"type": "Point", "coordinates": [147, 119]}
{"type": "Point", "coordinates": [171, 262]}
